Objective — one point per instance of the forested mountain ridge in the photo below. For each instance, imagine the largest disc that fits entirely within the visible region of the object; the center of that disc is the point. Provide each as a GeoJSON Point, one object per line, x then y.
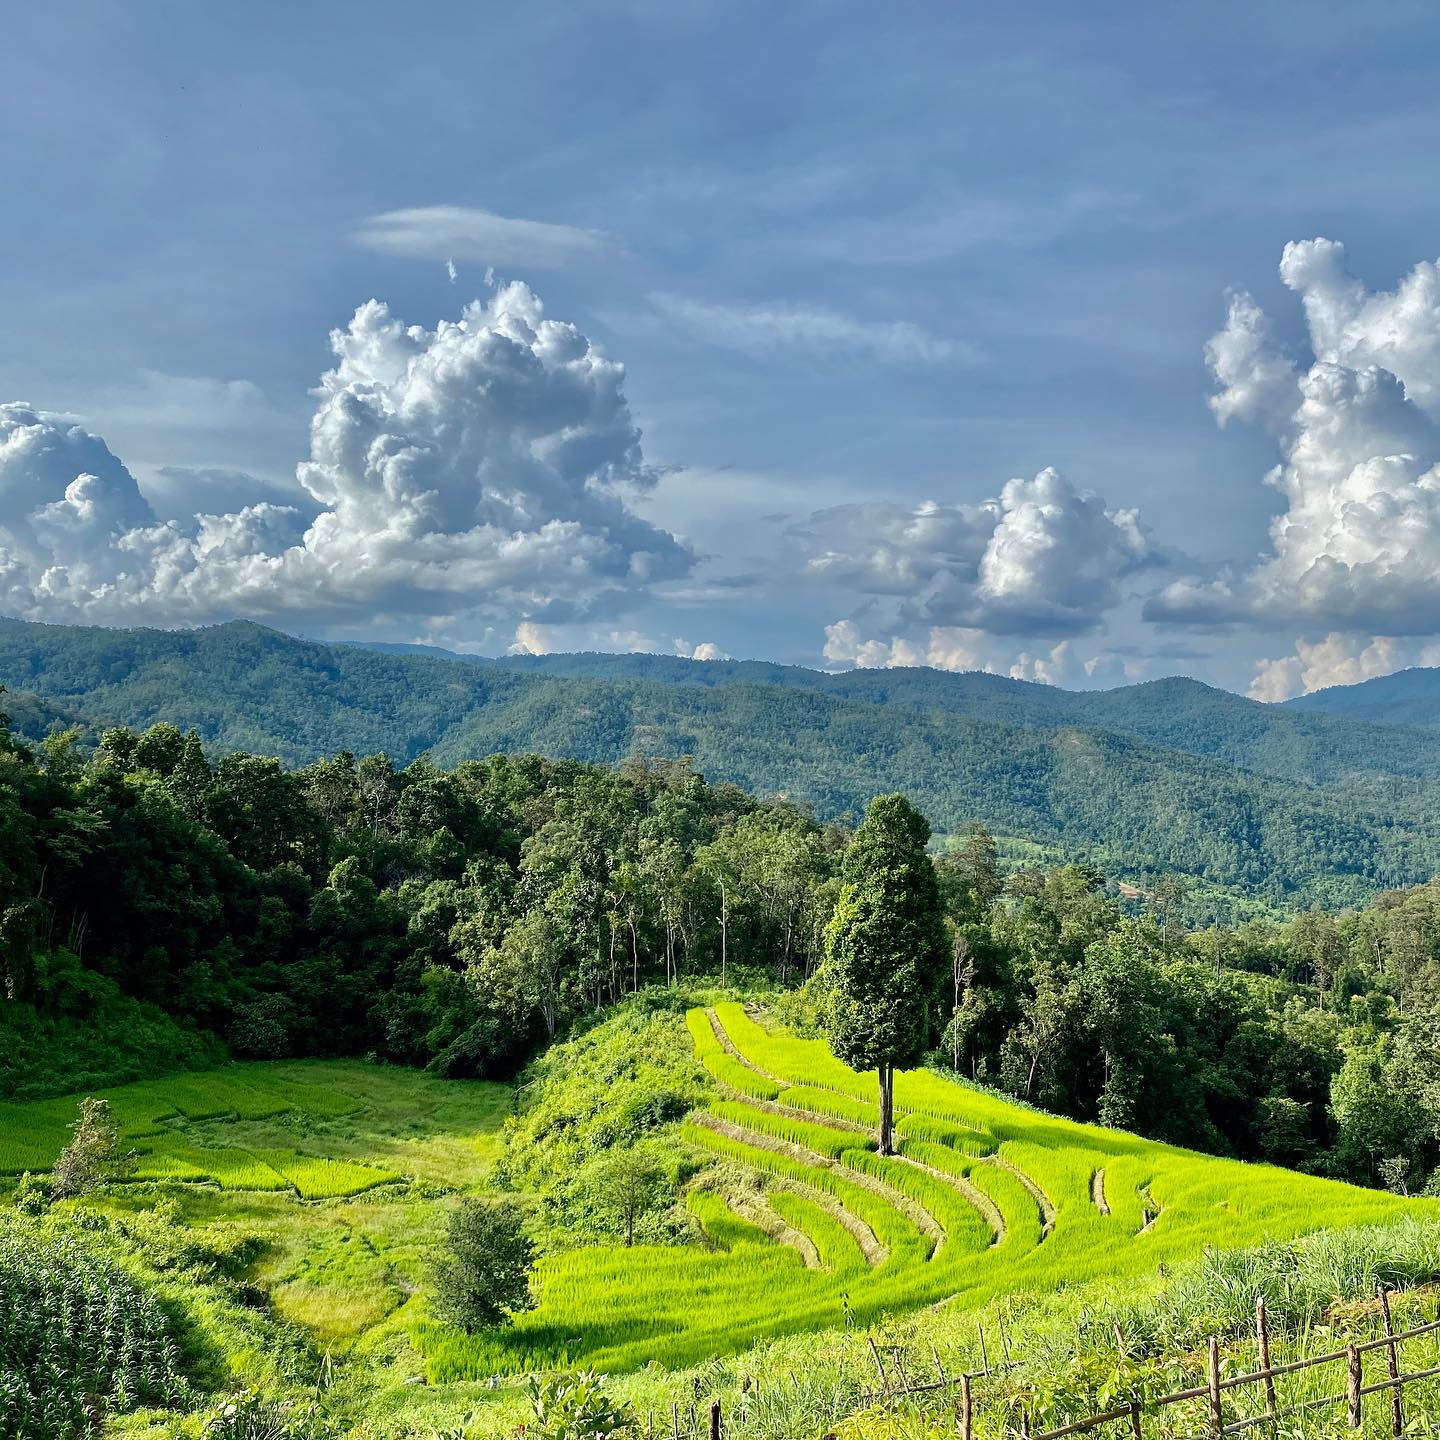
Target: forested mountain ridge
{"type": "Point", "coordinates": [1141, 779]}
{"type": "Point", "coordinates": [1176, 712]}
{"type": "Point", "coordinates": [1408, 697]}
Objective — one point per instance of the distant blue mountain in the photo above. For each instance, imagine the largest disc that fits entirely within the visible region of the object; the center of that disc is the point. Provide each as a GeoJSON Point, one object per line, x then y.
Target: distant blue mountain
{"type": "Point", "coordinates": [1408, 697]}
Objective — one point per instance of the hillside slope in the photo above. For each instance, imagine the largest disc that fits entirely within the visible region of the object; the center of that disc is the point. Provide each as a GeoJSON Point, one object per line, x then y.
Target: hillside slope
{"type": "Point", "coordinates": [1178, 713]}
{"type": "Point", "coordinates": [1171, 775]}
{"type": "Point", "coordinates": [811, 1229]}
{"type": "Point", "coordinates": [1408, 697]}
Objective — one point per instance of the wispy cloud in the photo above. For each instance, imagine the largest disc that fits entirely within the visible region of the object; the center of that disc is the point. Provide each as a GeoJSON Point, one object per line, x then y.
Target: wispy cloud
{"type": "Point", "coordinates": [943, 227]}
{"type": "Point", "coordinates": [768, 329]}
{"type": "Point", "coordinates": [460, 232]}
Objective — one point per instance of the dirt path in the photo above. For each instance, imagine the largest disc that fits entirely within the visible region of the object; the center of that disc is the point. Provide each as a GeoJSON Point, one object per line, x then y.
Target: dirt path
{"type": "Point", "coordinates": [1097, 1192]}
{"type": "Point", "coordinates": [774, 1225]}
{"type": "Point", "coordinates": [1045, 1203]}
{"type": "Point", "coordinates": [916, 1214]}
{"type": "Point", "coordinates": [730, 1049]}
{"type": "Point", "coordinates": [811, 1117]}
{"type": "Point", "coordinates": [989, 1210]}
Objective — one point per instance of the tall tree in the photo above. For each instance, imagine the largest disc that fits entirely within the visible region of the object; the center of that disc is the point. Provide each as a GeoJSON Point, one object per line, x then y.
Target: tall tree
{"type": "Point", "coordinates": [886, 949]}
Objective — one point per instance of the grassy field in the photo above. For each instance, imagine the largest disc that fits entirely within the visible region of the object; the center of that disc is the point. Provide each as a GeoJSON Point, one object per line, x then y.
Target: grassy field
{"type": "Point", "coordinates": [987, 1199]}
{"type": "Point", "coordinates": [328, 1184]}
{"type": "Point", "coordinates": [337, 1168]}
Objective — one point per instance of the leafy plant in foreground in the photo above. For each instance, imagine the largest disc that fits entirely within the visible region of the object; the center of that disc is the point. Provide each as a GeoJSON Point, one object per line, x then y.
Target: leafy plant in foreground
{"type": "Point", "coordinates": [576, 1407]}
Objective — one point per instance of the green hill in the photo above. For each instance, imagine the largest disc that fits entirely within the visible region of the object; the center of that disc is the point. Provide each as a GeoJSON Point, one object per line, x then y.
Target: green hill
{"type": "Point", "coordinates": [1284, 806]}
{"type": "Point", "coordinates": [810, 1229]}
{"type": "Point", "coordinates": [1408, 697]}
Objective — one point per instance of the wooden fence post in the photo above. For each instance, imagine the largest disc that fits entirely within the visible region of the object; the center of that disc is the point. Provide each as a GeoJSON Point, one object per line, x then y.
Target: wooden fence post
{"type": "Point", "coordinates": [1352, 1384]}
{"type": "Point", "coordinates": [880, 1366]}
{"type": "Point", "coordinates": [1262, 1337]}
{"type": "Point", "coordinates": [984, 1358]}
{"type": "Point", "coordinates": [675, 1417]}
{"type": "Point", "coordinates": [714, 1420]}
{"type": "Point", "coordinates": [1217, 1420]}
{"type": "Point", "coordinates": [1392, 1350]}
{"type": "Point", "coordinates": [1135, 1419]}
{"type": "Point", "coordinates": [966, 1413]}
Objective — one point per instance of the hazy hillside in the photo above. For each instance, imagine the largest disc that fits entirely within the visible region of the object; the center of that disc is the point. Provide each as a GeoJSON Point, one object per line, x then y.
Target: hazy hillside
{"type": "Point", "coordinates": [1140, 778]}
{"type": "Point", "coordinates": [1177, 713]}
{"type": "Point", "coordinates": [1409, 697]}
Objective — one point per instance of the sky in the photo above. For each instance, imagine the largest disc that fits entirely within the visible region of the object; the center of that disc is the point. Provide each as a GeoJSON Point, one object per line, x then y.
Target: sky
{"type": "Point", "coordinates": [1087, 344]}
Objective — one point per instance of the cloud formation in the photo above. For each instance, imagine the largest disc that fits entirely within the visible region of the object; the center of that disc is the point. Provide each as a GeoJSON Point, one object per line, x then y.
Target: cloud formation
{"type": "Point", "coordinates": [1041, 558]}
{"type": "Point", "coordinates": [479, 469]}
{"type": "Point", "coordinates": [960, 648]}
{"type": "Point", "coordinates": [1338, 659]}
{"type": "Point", "coordinates": [825, 334]}
{"type": "Point", "coordinates": [458, 232]}
{"type": "Point", "coordinates": [1357, 547]}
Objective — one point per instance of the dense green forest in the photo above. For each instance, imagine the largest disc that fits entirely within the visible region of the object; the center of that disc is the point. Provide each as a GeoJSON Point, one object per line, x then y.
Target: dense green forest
{"type": "Point", "coordinates": [1408, 697]}
{"type": "Point", "coordinates": [160, 906]}
{"type": "Point", "coordinates": [1263, 805]}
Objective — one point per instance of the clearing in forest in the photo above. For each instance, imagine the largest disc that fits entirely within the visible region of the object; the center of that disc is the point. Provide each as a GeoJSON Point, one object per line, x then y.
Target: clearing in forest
{"type": "Point", "coordinates": [808, 1228]}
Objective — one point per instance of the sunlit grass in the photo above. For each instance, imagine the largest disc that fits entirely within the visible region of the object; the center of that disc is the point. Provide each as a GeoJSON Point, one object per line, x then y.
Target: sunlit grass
{"type": "Point", "coordinates": [892, 1236]}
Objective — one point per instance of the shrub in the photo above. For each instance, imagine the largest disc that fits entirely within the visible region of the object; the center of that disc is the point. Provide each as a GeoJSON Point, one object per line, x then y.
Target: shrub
{"type": "Point", "coordinates": [484, 1277]}
{"type": "Point", "coordinates": [576, 1407]}
{"type": "Point", "coordinates": [31, 1195]}
{"type": "Point", "coordinates": [93, 1154]}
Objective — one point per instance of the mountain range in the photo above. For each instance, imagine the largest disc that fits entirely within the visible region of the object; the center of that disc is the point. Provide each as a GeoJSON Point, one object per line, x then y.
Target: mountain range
{"type": "Point", "coordinates": [1329, 798]}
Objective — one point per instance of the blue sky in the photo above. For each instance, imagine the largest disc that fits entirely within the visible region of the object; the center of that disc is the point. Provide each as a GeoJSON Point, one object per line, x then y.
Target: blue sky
{"type": "Point", "coordinates": [852, 259]}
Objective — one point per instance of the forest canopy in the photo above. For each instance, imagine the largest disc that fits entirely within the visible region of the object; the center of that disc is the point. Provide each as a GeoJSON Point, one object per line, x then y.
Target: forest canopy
{"type": "Point", "coordinates": [161, 907]}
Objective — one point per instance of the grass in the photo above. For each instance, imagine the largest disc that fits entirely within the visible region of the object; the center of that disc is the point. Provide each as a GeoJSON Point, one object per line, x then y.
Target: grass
{"type": "Point", "coordinates": [927, 1227]}
{"type": "Point", "coordinates": [336, 1166]}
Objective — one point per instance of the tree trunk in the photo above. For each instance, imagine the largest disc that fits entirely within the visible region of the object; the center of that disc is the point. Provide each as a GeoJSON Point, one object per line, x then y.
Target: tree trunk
{"type": "Point", "coordinates": [724, 932]}
{"type": "Point", "coordinates": [887, 1109]}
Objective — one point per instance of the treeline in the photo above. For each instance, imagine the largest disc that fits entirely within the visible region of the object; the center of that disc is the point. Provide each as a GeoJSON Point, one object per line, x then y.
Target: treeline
{"type": "Point", "coordinates": [1312, 1043]}
{"type": "Point", "coordinates": [1263, 807]}
{"type": "Point", "coordinates": [444, 918]}
{"type": "Point", "coordinates": [161, 908]}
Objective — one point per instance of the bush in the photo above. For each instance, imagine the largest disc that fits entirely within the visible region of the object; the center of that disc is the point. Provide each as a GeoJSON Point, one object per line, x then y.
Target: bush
{"type": "Point", "coordinates": [485, 1277]}
{"type": "Point", "coordinates": [576, 1407]}
{"type": "Point", "coordinates": [32, 1194]}
{"type": "Point", "coordinates": [93, 1154]}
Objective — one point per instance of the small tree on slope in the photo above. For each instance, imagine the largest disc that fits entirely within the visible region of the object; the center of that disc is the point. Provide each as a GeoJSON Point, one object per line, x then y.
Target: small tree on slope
{"type": "Point", "coordinates": [886, 949]}
{"type": "Point", "coordinates": [93, 1154]}
{"type": "Point", "coordinates": [483, 1278]}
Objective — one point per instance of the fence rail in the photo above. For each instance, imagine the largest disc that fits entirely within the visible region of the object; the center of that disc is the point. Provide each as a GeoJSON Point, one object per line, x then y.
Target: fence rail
{"type": "Point", "coordinates": [1216, 1385]}
{"type": "Point", "coordinates": [1214, 1391]}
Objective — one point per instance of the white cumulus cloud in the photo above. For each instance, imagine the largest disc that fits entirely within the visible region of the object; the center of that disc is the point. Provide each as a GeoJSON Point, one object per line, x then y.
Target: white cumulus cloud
{"type": "Point", "coordinates": [1357, 548]}
{"type": "Point", "coordinates": [1042, 558]}
{"type": "Point", "coordinates": [480, 469]}
{"type": "Point", "coordinates": [1338, 659]}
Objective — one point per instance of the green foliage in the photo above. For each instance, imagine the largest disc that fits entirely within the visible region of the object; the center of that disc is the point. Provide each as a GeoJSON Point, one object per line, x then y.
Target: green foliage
{"type": "Point", "coordinates": [1166, 776]}
{"type": "Point", "coordinates": [885, 945]}
{"type": "Point", "coordinates": [576, 1407]}
{"type": "Point", "coordinates": [92, 1155]}
{"type": "Point", "coordinates": [938, 1223]}
{"type": "Point", "coordinates": [256, 1416]}
{"type": "Point", "coordinates": [483, 1277]}
{"type": "Point", "coordinates": [76, 1331]}
{"type": "Point", "coordinates": [590, 1103]}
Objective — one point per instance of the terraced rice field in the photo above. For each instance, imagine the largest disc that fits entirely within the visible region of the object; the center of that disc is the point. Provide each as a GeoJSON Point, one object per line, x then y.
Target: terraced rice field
{"type": "Point", "coordinates": [178, 1129]}
{"type": "Point", "coordinates": [805, 1227]}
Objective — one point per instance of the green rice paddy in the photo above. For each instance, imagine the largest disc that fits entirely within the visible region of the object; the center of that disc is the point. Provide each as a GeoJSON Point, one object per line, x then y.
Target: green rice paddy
{"type": "Point", "coordinates": [174, 1130]}
{"type": "Point", "coordinates": [806, 1228]}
